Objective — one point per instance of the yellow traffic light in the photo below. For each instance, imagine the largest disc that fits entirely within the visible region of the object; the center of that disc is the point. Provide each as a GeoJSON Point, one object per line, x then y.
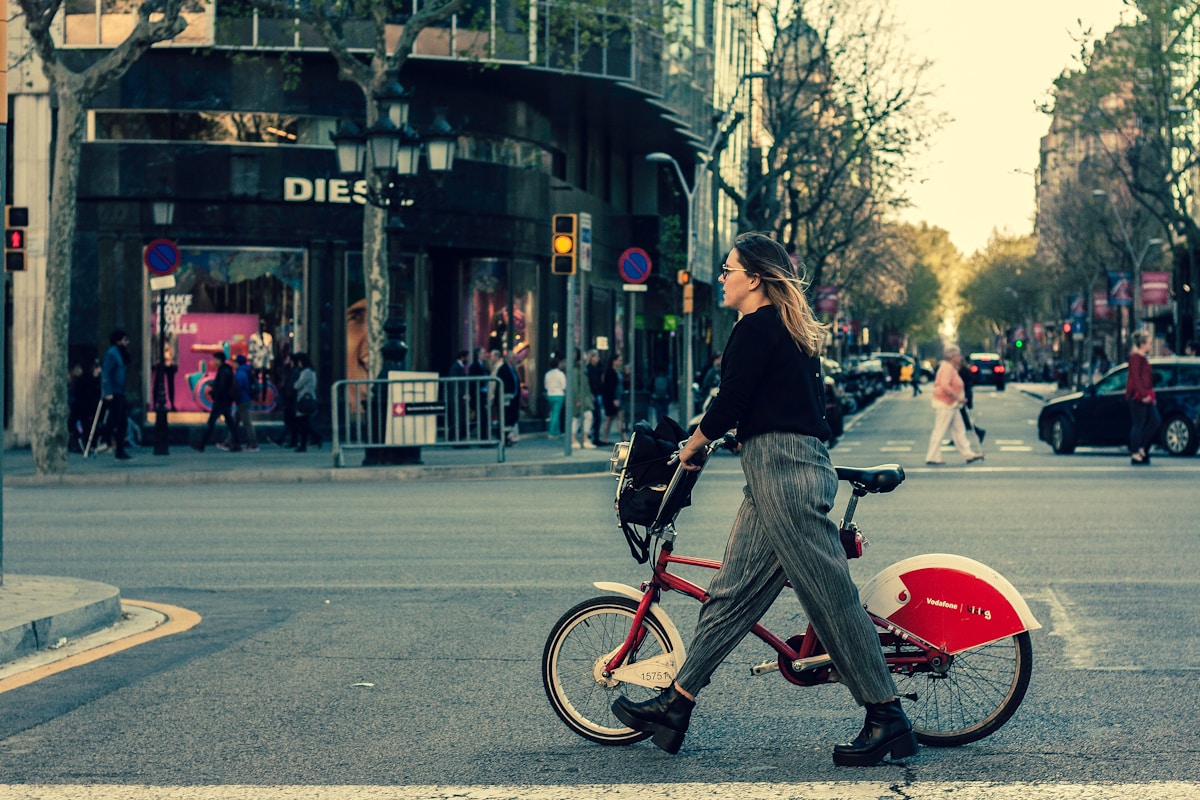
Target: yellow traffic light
{"type": "Point", "coordinates": [683, 277]}
{"type": "Point", "coordinates": [564, 244]}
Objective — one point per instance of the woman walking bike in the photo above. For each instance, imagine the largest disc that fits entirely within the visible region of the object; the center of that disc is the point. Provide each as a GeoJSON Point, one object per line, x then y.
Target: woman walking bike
{"type": "Point", "coordinates": [771, 391]}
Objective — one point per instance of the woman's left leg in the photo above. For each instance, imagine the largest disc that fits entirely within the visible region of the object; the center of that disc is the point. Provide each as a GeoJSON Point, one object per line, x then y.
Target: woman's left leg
{"type": "Point", "coordinates": [795, 516]}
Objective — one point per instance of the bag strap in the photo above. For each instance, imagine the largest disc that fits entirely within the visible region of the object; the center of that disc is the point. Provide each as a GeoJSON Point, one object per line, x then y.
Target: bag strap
{"type": "Point", "coordinates": [639, 546]}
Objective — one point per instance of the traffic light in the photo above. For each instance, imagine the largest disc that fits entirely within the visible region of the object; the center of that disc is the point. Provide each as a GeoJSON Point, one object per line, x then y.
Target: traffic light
{"type": "Point", "coordinates": [16, 218]}
{"type": "Point", "coordinates": [683, 277]}
{"type": "Point", "coordinates": [1019, 343]}
{"type": "Point", "coordinates": [564, 244]}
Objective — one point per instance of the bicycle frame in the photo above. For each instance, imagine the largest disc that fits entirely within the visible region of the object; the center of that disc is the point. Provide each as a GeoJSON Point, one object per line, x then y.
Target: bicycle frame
{"type": "Point", "coordinates": [933, 606]}
{"type": "Point", "coordinates": [800, 659]}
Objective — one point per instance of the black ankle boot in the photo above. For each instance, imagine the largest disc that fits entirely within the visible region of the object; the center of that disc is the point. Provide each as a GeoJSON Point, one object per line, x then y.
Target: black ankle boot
{"type": "Point", "coordinates": [665, 716]}
{"type": "Point", "coordinates": [886, 729]}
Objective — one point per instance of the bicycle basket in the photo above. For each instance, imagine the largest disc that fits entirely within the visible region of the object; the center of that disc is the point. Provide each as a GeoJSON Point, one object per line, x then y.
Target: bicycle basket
{"type": "Point", "coordinates": [649, 493]}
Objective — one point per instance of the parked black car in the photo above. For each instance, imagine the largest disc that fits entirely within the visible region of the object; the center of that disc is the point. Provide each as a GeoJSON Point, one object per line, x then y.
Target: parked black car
{"type": "Point", "coordinates": [1099, 416]}
{"type": "Point", "coordinates": [864, 380]}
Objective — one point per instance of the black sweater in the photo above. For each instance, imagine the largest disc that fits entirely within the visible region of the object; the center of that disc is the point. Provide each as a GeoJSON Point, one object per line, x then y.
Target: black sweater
{"type": "Point", "coordinates": [767, 383]}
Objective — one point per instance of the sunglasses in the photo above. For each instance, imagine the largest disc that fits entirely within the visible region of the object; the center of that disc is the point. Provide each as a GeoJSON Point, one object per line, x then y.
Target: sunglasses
{"type": "Point", "coordinates": [726, 269]}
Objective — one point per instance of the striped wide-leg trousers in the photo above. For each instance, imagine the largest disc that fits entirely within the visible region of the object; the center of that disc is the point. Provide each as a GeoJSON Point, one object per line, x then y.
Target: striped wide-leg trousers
{"type": "Point", "coordinates": [783, 532]}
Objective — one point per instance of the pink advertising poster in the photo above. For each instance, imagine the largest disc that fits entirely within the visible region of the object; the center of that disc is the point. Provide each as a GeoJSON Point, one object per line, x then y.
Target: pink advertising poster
{"type": "Point", "coordinates": [194, 338]}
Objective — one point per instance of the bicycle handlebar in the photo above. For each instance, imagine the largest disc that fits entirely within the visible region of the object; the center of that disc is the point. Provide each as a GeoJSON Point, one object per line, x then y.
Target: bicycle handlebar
{"type": "Point", "coordinates": [728, 440]}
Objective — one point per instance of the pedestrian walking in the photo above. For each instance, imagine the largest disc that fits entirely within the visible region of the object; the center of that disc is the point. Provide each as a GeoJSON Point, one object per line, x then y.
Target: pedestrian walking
{"type": "Point", "coordinates": [1143, 406]}
{"type": "Point", "coordinates": [456, 400]}
{"type": "Point", "coordinates": [306, 403]}
{"type": "Point", "coordinates": [595, 384]}
{"type": "Point", "coordinates": [112, 387]}
{"type": "Point", "coordinates": [510, 402]}
{"type": "Point", "coordinates": [582, 415]}
{"type": "Point", "coordinates": [222, 390]}
{"type": "Point", "coordinates": [772, 393]}
{"type": "Point", "coordinates": [481, 418]}
{"type": "Point", "coordinates": [613, 391]}
{"type": "Point", "coordinates": [554, 383]}
{"type": "Point", "coordinates": [287, 401]}
{"type": "Point", "coordinates": [86, 400]}
{"type": "Point", "coordinates": [244, 378]}
{"type": "Point", "coordinates": [949, 395]}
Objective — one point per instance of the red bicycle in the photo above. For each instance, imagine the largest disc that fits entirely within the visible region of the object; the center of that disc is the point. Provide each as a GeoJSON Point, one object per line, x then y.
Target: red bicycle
{"type": "Point", "coordinates": [955, 633]}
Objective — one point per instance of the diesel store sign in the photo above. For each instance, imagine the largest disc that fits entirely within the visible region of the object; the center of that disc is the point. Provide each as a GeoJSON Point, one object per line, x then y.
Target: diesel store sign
{"type": "Point", "coordinates": [324, 190]}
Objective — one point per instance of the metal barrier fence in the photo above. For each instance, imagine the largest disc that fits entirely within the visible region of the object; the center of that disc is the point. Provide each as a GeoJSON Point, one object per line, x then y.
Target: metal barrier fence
{"type": "Point", "coordinates": [434, 412]}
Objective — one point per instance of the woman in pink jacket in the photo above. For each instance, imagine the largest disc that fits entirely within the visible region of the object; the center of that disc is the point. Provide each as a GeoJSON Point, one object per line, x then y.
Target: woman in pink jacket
{"type": "Point", "coordinates": [949, 394]}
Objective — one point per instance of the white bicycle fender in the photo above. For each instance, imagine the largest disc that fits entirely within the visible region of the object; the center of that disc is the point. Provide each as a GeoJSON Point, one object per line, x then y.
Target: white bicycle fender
{"type": "Point", "coordinates": [950, 601]}
{"type": "Point", "coordinates": [677, 648]}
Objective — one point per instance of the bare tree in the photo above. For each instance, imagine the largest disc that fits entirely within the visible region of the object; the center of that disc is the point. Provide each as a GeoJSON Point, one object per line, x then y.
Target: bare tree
{"type": "Point", "coordinates": [1136, 97]}
{"type": "Point", "coordinates": [74, 87]}
{"type": "Point", "coordinates": [371, 74]}
{"type": "Point", "coordinates": [844, 111]}
{"type": "Point", "coordinates": [1078, 243]}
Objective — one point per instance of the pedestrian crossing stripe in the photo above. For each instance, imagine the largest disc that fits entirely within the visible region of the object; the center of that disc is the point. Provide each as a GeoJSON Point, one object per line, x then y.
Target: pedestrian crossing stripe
{"type": "Point", "coordinates": [833, 790]}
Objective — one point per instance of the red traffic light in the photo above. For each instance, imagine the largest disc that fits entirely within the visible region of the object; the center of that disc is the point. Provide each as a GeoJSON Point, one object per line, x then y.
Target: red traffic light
{"type": "Point", "coordinates": [14, 239]}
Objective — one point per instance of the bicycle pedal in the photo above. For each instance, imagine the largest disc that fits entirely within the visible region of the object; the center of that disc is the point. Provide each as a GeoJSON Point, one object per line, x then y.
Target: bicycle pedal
{"type": "Point", "coordinates": [765, 667]}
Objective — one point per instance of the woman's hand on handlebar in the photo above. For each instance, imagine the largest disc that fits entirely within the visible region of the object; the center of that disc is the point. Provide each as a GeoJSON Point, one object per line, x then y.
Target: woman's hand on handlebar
{"type": "Point", "coordinates": [693, 447]}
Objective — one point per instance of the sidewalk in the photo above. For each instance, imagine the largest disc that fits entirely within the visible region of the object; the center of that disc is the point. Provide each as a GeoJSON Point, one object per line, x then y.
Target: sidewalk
{"type": "Point", "coordinates": [39, 612]}
{"type": "Point", "coordinates": [534, 455]}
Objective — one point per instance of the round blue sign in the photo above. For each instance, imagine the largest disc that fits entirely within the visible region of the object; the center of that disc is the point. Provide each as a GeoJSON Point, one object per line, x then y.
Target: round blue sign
{"type": "Point", "coordinates": [635, 265]}
{"type": "Point", "coordinates": [161, 257]}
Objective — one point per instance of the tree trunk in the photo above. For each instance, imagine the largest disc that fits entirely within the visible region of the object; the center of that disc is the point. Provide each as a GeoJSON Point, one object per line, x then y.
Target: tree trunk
{"type": "Point", "coordinates": [50, 425]}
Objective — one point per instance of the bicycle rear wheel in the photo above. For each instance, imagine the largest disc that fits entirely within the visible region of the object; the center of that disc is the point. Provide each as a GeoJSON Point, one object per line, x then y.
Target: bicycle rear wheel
{"type": "Point", "coordinates": [572, 667]}
{"type": "Point", "coordinates": [972, 696]}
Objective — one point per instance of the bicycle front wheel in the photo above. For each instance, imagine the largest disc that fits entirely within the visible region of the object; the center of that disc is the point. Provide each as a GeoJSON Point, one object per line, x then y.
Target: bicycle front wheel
{"type": "Point", "coordinates": [572, 667]}
{"type": "Point", "coordinates": [970, 698]}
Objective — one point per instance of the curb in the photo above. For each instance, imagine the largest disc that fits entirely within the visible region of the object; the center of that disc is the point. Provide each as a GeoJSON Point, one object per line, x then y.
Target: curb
{"type": "Point", "coordinates": [408, 474]}
{"type": "Point", "coordinates": [40, 611]}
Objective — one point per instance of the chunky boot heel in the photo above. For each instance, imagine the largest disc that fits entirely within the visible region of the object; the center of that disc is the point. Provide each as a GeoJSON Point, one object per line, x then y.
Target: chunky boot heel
{"type": "Point", "coordinates": [886, 730]}
{"type": "Point", "coordinates": [666, 717]}
{"type": "Point", "coordinates": [668, 740]}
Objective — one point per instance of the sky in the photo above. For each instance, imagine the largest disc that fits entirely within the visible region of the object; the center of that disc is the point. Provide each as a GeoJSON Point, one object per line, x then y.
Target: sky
{"type": "Point", "coordinates": [993, 63]}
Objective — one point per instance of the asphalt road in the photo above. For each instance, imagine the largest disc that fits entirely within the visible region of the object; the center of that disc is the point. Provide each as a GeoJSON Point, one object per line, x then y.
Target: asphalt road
{"type": "Point", "coordinates": [386, 640]}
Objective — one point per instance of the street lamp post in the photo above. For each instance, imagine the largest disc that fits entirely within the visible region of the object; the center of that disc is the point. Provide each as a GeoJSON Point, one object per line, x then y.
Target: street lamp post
{"type": "Point", "coordinates": [163, 213]}
{"type": "Point", "coordinates": [704, 162]}
{"type": "Point", "coordinates": [1135, 258]}
{"type": "Point", "coordinates": [387, 154]}
{"type": "Point", "coordinates": [685, 378]}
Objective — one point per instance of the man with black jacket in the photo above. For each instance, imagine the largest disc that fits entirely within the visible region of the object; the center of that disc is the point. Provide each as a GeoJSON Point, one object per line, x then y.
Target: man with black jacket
{"type": "Point", "coordinates": [221, 390]}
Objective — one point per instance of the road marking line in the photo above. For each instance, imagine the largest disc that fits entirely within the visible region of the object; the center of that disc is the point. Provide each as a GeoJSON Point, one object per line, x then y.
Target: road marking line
{"type": "Point", "coordinates": [842, 790]}
{"type": "Point", "coordinates": [178, 620]}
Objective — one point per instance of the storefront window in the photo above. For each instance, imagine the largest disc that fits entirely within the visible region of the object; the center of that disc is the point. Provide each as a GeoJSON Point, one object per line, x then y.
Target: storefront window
{"type": "Point", "coordinates": [501, 309]}
{"type": "Point", "coordinates": [242, 302]}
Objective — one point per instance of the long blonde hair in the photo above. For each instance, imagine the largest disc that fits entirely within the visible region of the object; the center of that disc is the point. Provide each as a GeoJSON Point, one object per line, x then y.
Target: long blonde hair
{"type": "Point", "coordinates": [765, 258]}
